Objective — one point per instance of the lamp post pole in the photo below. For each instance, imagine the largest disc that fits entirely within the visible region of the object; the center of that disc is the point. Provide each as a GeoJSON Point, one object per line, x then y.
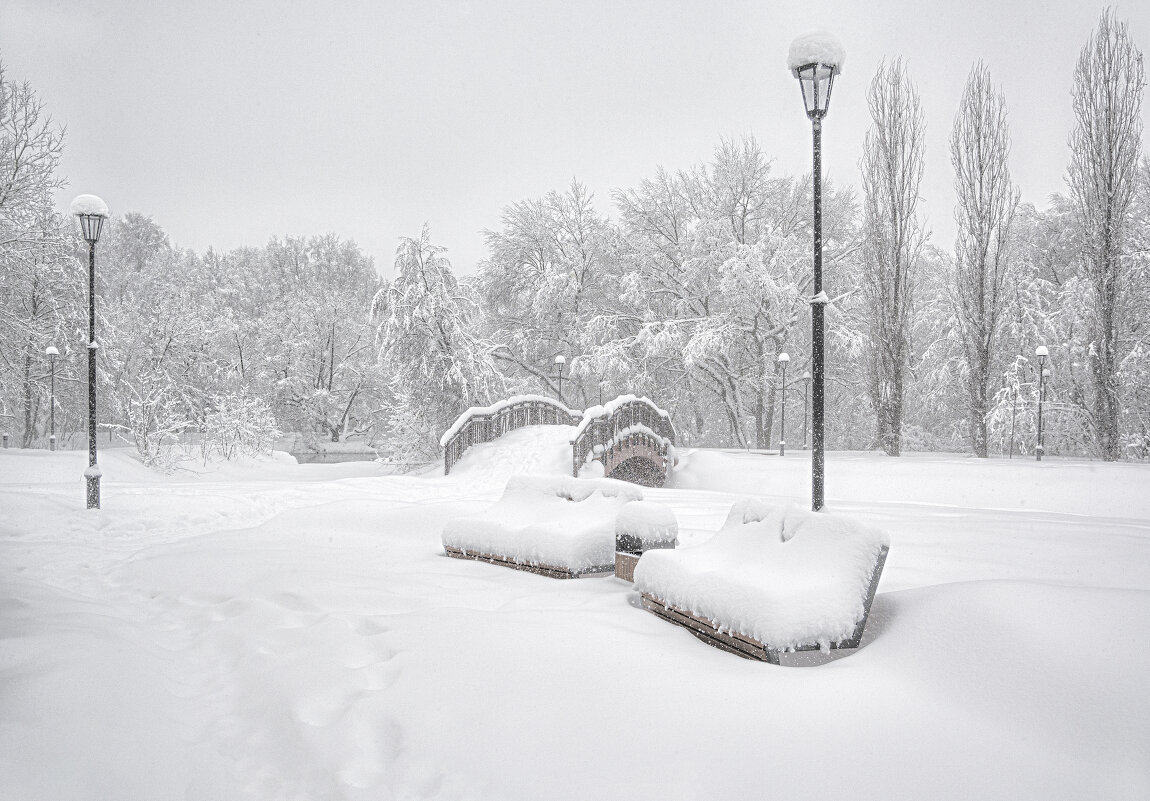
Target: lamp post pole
{"type": "Point", "coordinates": [1041, 352]}
{"type": "Point", "coordinates": [51, 353]}
{"type": "Point", "coordinates": [818, 302]}
{"type": "Point", "coordinates": [783, 359]}
{"type": "Point", "coordinates": [91, 212]}
{"type": "Point", "coordinates": [806, 401]}
{"type": "Point", "coordinates": [92, 475]}
{"type": "Point", "coordinates": [815, 59]}
{"type": "Point", "coordinates": [560, 360]}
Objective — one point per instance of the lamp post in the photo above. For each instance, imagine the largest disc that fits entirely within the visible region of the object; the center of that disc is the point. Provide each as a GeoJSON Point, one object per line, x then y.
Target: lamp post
{"type": "Point", "coordinates": [815, 59]}
{"type": "Point", "coordinates": [1041, 352]}
{"type": "Point", "coordinates": [91, 212]}
{"type": "Point", "coordinates": [806, 390]}
{"type": "Point", "coordinates": [51, 353]}
{"type": "Point", "coordinates": [560, 360]}
{"type": "Point", "coordinates": [783, 359]}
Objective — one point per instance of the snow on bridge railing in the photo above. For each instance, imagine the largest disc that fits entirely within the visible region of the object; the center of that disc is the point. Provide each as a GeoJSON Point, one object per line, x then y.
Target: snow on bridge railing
{"type": "Point", "coordinates": [485, 423]}
{"type": "Point", "coordinates": [611, 424]}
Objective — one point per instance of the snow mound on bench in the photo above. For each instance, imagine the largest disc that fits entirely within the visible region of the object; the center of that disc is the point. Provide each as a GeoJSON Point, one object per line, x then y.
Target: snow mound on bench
{"type": "Point", "coordinates": [784, 576]}
{"type": "Point", "coordinates": [557, 521]}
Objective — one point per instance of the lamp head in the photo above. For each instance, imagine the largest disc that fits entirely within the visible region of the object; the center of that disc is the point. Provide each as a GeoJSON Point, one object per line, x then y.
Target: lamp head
{"type": "Point", "coordinates": [91, 211]}
{"type": "Point", "coordinates": [815, 59]}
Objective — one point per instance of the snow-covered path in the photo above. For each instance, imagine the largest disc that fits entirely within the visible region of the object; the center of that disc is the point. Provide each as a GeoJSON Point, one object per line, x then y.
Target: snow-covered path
{"type": "Point", "coordinates": [294, 632]}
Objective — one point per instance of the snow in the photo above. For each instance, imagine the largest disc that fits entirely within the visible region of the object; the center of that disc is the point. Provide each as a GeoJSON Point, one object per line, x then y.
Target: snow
{"type": "Point", "coordinates": [89, 204]}
{"type": "Point", "coordinates": [267, 630]}
{"type": "Point", "coordinates": [554, 521]}
{"type": "Point", "coordinates": [492, 409]}
{"type": "Point", "coordinates": [785, 576]}
{"type": "Point", "coordinates": [816, 47]}
{"type": "Point", "coordinates": [646, 524]}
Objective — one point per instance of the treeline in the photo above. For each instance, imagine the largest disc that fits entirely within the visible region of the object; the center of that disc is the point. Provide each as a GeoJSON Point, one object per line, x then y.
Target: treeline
{"type": "Point", "coordinates": [687, 294]}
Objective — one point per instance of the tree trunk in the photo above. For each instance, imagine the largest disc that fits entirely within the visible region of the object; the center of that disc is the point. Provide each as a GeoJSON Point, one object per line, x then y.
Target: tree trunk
{"type": "Point", "coordinates": [29, 414]}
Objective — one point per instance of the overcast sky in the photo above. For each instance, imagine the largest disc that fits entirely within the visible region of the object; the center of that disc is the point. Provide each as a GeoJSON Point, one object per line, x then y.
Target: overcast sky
{"type": "Point", "coordinates": [231, 122]}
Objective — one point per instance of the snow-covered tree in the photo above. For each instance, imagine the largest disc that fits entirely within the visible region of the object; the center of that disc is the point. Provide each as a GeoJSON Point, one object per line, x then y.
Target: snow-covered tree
{"type": "Point", "coordinates": [157, 357]}
{"type": "Point", "coordinates": [430, 349]}
{"type": "Point", "coordinates": [1105, 146]}
{"type": "Point", "coordinates": [987, 199]}
{"type": "Point", "coordinates": [37, 287]}
{"type": "Point", "coordinates": [715, 263]}
{"type": "Point", "coordinates": [891, 166]}
{"type": "Point", "coordinates": [551, 270]}
{"type": "Point", "coordinates": [316, 335]}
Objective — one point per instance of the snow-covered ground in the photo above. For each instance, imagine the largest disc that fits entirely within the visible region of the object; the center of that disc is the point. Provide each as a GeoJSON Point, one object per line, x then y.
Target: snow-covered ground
{"type": "Point", "coordinates": [282, 631]}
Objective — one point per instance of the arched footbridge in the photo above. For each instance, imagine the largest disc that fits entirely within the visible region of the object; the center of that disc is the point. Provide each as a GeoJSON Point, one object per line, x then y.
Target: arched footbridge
{"type": "Point", "coordinates": [631, 438]}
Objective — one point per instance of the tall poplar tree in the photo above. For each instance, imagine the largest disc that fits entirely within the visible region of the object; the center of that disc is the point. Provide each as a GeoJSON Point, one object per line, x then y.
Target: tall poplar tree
{"type": "Point", "coordinates": [987, 201]}
{"type": "Point", "coordinates": [1105, 147]}
{"type": "Point", "coordinates": [891, 167]}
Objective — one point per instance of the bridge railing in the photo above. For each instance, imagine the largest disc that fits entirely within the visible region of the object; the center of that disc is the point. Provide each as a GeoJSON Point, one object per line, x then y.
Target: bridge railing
{"type": "Point", "coordinates": [485, 423]}
{"type": "Point", "coordinates": [616, 423]}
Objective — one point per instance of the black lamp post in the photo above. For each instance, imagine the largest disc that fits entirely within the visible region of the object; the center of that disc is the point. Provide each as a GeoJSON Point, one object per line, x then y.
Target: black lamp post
{"type": "Point", "coordinates": [815, 59]}
{"type": "Point", "coordinates": [560, 360]}
{"type": "Point", "coordinates": [783, 359]}
{"type": "Point", "coordinates": [806, 401]}
{"type": "Point", "coordinates": [1041, 352]}
{"type": "Point", "coordinates": [51, 353]}
{"type": "Point", "coordinates": [92, 212]}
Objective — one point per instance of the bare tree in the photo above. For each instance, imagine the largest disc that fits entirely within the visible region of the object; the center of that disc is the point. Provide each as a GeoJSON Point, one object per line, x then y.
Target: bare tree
{"type": "Point", "coordinates": [891, 167]}
{"type": "Point", "coordinates": [987, 200]}
{"type": "Point", "coordinates": [1105, 147]}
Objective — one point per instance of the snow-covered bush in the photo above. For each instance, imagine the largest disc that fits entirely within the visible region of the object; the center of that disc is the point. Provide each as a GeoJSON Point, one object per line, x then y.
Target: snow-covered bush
{"type": "Point", "coordinates": [155, 420]}
{"type": "Point", "coordinates": [237, 424]}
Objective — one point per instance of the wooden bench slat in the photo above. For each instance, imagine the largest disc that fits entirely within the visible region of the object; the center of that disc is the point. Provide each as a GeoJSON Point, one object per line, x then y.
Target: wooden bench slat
{"type": "Point", "coordinates": [551, 571]}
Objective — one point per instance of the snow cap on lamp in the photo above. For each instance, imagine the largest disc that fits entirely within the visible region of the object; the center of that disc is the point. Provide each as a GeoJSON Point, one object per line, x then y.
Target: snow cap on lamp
{"type": "Point", "coordinates": [816, 47]}
{"type": "Point", "coordinates": [89, 204]}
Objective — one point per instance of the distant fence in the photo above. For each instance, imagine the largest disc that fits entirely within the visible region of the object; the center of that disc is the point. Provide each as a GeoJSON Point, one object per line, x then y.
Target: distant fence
{"type": "Point", "coordinates": [485, 423]}
{"type": "Point", "coordinates": [333, 457]}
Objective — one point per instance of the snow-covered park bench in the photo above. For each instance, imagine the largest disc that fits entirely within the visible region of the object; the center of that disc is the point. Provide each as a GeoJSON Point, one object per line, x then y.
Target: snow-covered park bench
{"type": "Point", "coordinates": [771, 580]}
{"type": "Point", "coordinates": [552, 525]}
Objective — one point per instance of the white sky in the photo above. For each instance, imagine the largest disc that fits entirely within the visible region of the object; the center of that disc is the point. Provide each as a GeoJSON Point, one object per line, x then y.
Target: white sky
{"type": "Point", "coordinates": [231, 122]}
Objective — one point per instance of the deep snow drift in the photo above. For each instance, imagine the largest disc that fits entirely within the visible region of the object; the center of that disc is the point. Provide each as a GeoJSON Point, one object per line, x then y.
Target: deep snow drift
{"type": "Point", "coordinates": [274, 631]}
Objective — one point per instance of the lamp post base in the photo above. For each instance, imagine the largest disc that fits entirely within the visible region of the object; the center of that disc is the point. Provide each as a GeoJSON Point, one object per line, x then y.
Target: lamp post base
{"type": "Point", "coordinates": [52, 442]}
{"type": "Point", "coordinates": [93, 491]}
